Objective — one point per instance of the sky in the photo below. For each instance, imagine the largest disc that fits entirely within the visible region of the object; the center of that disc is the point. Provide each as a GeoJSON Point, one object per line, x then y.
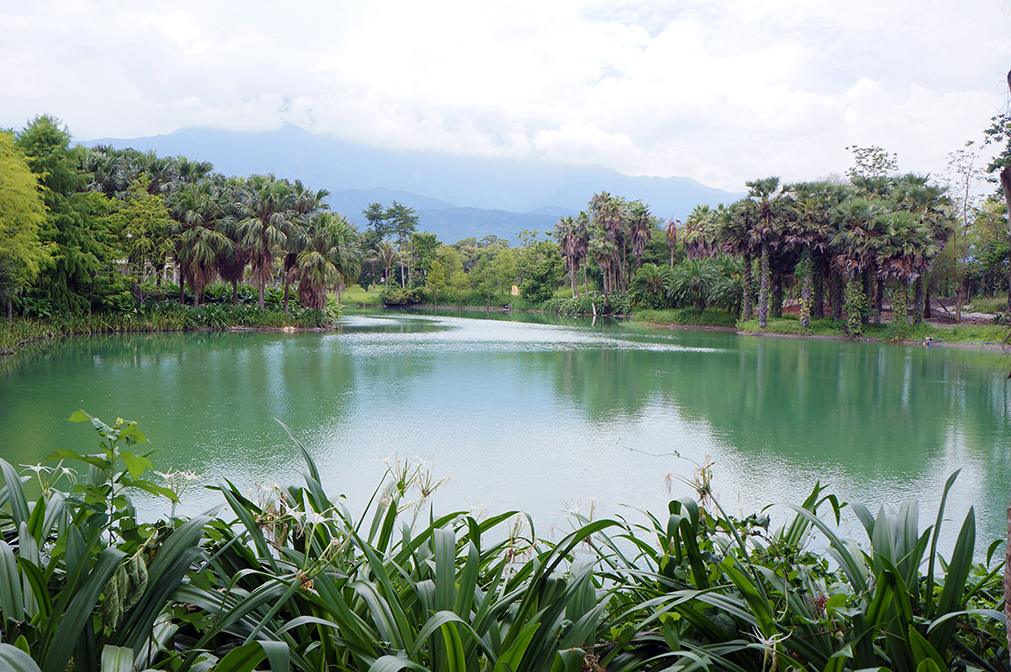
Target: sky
{"type": "Point", "coordinates": [722, 91]}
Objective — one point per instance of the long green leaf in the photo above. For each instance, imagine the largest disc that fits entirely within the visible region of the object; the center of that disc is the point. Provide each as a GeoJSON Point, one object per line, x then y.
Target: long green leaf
{"type": "Point", "coordinates": [117, 659]}
{"type": "Point", "coordinates": [78, 614]}
{"type": "Point", "coordinates": [242, 659]}
{"type": "Point", "coordinates": [13, 659]}
{"type": "Point", "coordinates": [954, 581]}
{"type": "Point", "coordinates": [15, 494]}
{"type": "Point", "coordinates": [12, 605]}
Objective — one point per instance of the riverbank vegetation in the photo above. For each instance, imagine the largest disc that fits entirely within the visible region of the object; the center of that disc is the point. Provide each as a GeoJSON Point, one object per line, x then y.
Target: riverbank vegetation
{"type": "Point", "coordinates": [288, 578]}
{"type": "Point", "coordinates": [92, 234]}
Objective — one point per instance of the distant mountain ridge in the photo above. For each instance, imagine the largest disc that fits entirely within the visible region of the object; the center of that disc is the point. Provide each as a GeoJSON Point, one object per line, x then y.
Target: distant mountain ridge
{"type": "Point", "coordinates": [454, 195]}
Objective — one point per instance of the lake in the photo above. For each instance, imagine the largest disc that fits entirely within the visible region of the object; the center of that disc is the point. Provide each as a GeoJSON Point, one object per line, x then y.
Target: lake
{"type": "Point", "coordinates": [535, 413]}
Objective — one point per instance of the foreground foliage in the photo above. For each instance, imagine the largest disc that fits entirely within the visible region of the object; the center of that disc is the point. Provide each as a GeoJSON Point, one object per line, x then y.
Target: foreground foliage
{"type": "Point", "coordinates": [290, 579]}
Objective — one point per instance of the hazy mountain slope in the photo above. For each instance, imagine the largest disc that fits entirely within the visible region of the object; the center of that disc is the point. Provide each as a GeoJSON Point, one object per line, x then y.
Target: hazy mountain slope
{"type": "Point", "coordinates": [498, 195]}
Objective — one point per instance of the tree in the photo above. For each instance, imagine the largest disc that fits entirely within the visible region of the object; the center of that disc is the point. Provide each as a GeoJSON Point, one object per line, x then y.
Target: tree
{"type": "Point", "coordinates": [144, 227]}
{"type": "Point", "coordinates": [201, 244]}
{"type": "Point", "coordinates": [764, 236]}
{"type": "Point", "coordinates": [871, 162]}
{"type": "Point", "coordinates": [964, 175]}
{"type": "Point", "coordinates": [22, 217]}
{"type": "Point", "coordinates": [425, 249]}
{"type": "Point", "coordinates": [76, 230]}
{"type": "Point", "coordinates": [692, 282]}
{"type": "Point", "coordinates": [649, 287]}
{"type": "Point", "coordinates": [402, 223]}
{"type": "Point", "coordinates": [332, 256]}
{"type": "Point", "coordinates": [377, 217]}
{"type": "Point", "coordinates": [267, 212]}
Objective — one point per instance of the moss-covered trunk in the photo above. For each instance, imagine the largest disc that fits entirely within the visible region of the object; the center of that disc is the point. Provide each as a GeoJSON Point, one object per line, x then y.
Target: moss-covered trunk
{"type": "Point", "coordinates": [763, 289]}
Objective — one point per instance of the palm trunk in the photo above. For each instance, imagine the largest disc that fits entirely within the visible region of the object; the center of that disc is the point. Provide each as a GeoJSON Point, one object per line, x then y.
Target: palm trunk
{"type": "Point", "coordinates": [855, 300]}
{"type": "Point", "coordinates": [879, 298]}
{"type": "Point", "coordinates": [806, 290]}
{"type": "Point", "coordinates": [235, 292]}
{"type": "Point", "coordinates": [747, 303]}
{"type": "Point", "coordinates": [818, 301]}
{"type": "Point", "coordinates": [763, 289]}
{"type": "Point", "coordinates": [918, 301]}
{"type": "Point", "coordinates": [837, 297]}
{"type": "Point", "coordinates": [899, 309]}
{"type": "Point", "coordinates": [776, 309]}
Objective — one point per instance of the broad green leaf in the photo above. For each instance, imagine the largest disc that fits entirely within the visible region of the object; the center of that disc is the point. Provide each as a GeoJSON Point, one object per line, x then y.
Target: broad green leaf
{"type": "Point", "coordinates": [117, 659]}
{"type": "Point", "coordinates": [11, 603]}
{"type": "Point", "coordinates": [15, 494]}
{"type": "Point", "coordinates": [13, 659]}
{"type": "Point", "coordinates": [923, 651]}
{"type": "Point", "coordinates": [135, 464]}
{"type": "Point", "coordinates": [242, 659]}
{"type": "Point", "coordinates": [79, 416]}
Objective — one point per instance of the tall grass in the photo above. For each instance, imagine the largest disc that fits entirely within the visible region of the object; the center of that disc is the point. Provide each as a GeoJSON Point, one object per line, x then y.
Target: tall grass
{"type": "Point", "coordinates": [289, 578]}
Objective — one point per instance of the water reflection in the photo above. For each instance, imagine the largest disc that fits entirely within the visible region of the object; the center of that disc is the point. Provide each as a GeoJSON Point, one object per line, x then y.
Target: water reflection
{"type": "Point", "coordinates": [525, 412]}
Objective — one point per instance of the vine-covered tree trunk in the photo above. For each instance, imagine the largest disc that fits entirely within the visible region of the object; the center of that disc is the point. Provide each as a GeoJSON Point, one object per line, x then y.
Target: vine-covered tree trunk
{"type": "Point", "coordinates": [856, 300]}
{"type": "Point", "coordinates": [777, 298]}
{"type": "Point", "coordinates": [918, 301]}
{"type": "Point", "coordinates": [837, 297]}
{"type": "Point", "coordinates": [899, 309]}
{"type": "Point", "coordinates": [747, 303]}
{"type": "Point", "coordinates": [763, 289]}
{"type": "Point", "coordinates": [818, 301]}
{"type": "Point", "coordinates": [806, 289]}
{"type": "Point", "coordinates": [879, 298]}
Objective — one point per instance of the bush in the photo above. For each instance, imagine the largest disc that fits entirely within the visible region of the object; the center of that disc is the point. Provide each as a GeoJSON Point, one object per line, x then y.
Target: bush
{"type": "Point", "coordinates": [401, 296]}
{"type": "Point", "coordinates": [585, 304]}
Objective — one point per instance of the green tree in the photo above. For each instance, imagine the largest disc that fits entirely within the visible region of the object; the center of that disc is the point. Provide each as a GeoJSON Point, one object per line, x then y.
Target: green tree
{"type": "Point", "coordinates": [871, 162]}
{"type": "Point", "coordinates": [143, 225]}
{"type": "Point", "coordinates": [331, 257]}
{"type": "Point", "coordinates": [268, 214]}
{"type": "Point", "coordinates": [76, 230]}
{"type": "Point", "coordinates": [22, 217]}
{"type": "Point", "coordinates": [402, 223]}
{"type": "Point", "coordinates": [199, 235]}
{"type": "Point", "coordinates": [424, 249]}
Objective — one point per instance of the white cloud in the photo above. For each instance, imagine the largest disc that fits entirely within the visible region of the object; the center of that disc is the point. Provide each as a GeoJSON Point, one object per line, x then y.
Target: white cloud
{"type": "Point", "coordinates": [719, 91]}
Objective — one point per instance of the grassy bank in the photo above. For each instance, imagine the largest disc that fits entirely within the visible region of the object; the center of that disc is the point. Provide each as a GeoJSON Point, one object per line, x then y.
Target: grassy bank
{"type": "Point", "coordinates": [961, 334]}
{"type": "Point", "coordinates": [688, 317]}
{"type": "Point", "coordinates": [288, 578]}
{"type": "Point", "coordinates": [19, 332]}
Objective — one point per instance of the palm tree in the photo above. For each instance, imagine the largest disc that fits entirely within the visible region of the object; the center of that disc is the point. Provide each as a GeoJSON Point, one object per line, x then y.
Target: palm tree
{"type": "Point", "coordinates": [915, 194]}
{"type": "Point", "coordinates": [196, 212]}
{"type": "Point", "coordinates": [765, 193]}
{"type": "Point", "coordinates": [387, 254]}
{"type": "Point", "coordinates": [649, 287]}
{"type": "Point", "coordinates": [809, 233]}
{"type": "Point", "coordinates": [574, 244]}
{"type": "Point", "coordinates": [698, 235]}
{"type": "Point", "coordinates": [640, 229]}
{"type": "Point", "coordinates": [693, 281]}
{"type": "Point", "coordinates": [332, 256]}
{"type": "Point", "coordinates": [268, 211]}
{"type": "Point", "coordinates": [672, 237]}
{"type": "Point", "coordinates": [906, 248]}
{"type": "Point", "coordinates": [856, 245]}
{"type": "Point", "coordinates": [733, 233]}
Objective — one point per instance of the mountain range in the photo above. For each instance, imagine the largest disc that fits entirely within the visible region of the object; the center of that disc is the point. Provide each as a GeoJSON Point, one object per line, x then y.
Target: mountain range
{"type": "Point", "coordinates": [455, 196]}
